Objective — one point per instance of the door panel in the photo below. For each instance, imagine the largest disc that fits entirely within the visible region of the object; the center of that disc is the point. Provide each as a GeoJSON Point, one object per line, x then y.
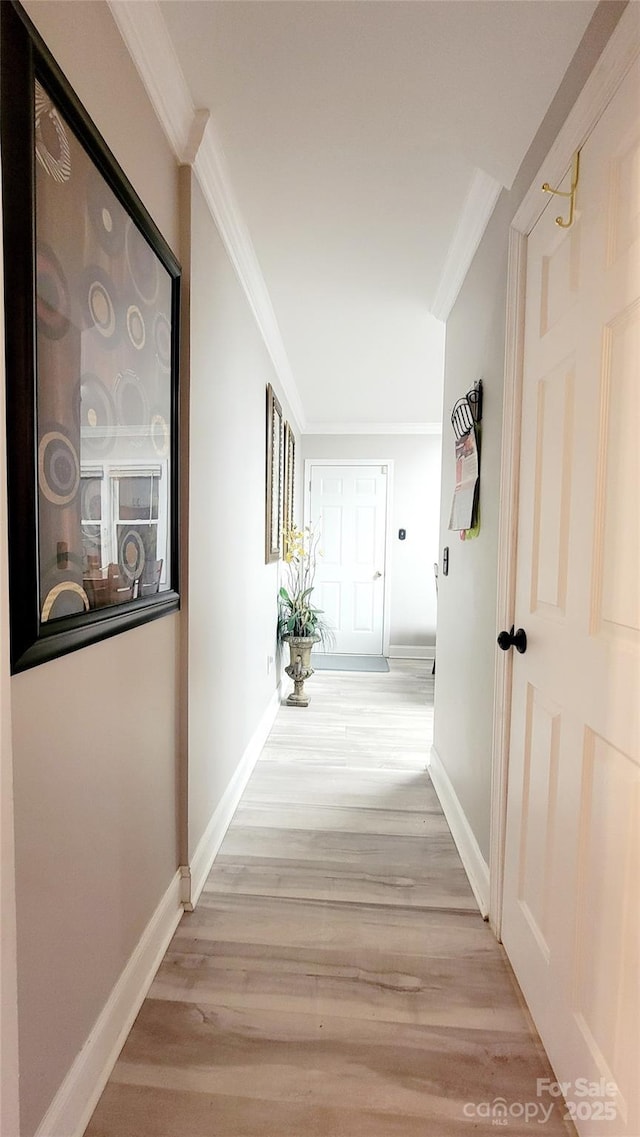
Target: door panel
{"type": "Point", "coordinates": [560, 276]}
{"type": "Point", "coordinates": [552, 494]}
{"type": "Point", "coordinates": [617, 530]}
{"type": "Point", "coordinates": [539, 801]}
{"type": "Point", "coordinates": [605, 996]}
{"type": "Point", "coordinates": [572, 864]}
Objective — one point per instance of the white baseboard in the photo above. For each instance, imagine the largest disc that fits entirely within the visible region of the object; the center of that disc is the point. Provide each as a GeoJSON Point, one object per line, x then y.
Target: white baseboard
{"type": "Point", "coordinates": [474, 863]}
{"type": "Point", "coordinates": [408, 651]}
{"type": "Point", "coordinates": [70, 1111]}
{"type": "Point", "coordinates": [213, 835]}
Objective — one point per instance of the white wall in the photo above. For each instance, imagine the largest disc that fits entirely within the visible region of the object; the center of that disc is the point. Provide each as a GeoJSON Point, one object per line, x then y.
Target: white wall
{"type": "Point", "coordinates": [415, 507]}
{"type": "Point", "coordinates": [467, 597]}
{"type": "Point", "coordinates": [232, 592]}
{"type": "Point", "coordinates": [94, 733]}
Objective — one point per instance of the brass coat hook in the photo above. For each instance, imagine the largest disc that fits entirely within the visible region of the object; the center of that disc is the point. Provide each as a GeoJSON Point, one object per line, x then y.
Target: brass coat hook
{"type": "Point", "coordinates": [571, 194]}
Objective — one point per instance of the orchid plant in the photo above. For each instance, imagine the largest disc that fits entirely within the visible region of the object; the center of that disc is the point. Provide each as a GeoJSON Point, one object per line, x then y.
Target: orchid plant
{"type": "Point", "coordinates": [297, 616]}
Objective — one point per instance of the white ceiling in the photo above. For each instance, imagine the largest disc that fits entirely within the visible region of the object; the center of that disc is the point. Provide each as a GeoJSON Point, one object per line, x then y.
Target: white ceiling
{"type": "Point", "coordinates": [359, 137]}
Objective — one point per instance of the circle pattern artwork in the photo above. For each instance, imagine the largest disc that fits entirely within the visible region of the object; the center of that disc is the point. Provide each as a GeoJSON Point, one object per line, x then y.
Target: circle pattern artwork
{"type": "Point", "coordinates": [58, 468]}
{"type": "Point", "coordinates": [52, 144]}
{"type": "Point", "coordinates": [131, 554]}
{"type": "Point", "coordinates": [135, 327]}
{"type": "Point", "coordinates": [68, 598]}
{"type": "Point", "coordinates": [105, 213]}
{"type": "Point", "coordinates": [162, 338]}
{"type": "Point", "coordinates": [160, 435]}
{"type": "Point", "coordinates": [101, 306]}
{"type": "Point", "coordinates": [131, 400]}
{"type": "Point", "coordinates": [142, 264]}
{"type": "Point", "coordinates": [97, 415]}
{"type": "Point", "coordinates": [101, 309]}
{"type": "Point", "coordinates": [52, 294]}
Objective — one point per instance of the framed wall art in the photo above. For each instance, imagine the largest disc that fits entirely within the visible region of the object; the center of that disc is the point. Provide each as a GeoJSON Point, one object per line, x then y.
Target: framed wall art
{"type": "Point", "coordinates": [274, 472]}
{"type": "Point", "coordinates": [289, 478]}
{"type": "Point", "coordinates": [92, 315]}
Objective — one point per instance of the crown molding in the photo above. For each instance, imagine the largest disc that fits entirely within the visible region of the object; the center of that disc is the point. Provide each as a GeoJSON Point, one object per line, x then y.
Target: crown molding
{"type": "Point", "coordinates": [192, 137]}
{"type": "Point", "coordinates": [212, 173]}
{"type": "Point", "coordinates": [149, 44]}
{"type": "Point", "coordinates": [196, 135]}
{"type": "Point", "coordinates": [479, 204]}
{"type": "Point", "coordinates": [373, 428]}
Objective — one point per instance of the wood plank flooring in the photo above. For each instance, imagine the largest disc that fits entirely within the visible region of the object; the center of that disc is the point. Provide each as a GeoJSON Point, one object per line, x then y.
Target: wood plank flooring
{"type": "Point", "coordinates": [336, 978]}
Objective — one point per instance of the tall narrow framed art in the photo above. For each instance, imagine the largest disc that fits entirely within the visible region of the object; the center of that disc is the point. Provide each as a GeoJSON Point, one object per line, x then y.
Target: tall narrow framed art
{"type": "Point", "coordinates": [92, 314]}
{"type": "Point", "coordinates": [274, 477]}
{"type": "Point", "coordinates": [289, 481]}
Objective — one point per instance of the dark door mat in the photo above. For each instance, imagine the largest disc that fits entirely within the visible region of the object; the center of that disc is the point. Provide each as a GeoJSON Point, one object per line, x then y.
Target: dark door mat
{"type": "Point", "coordinates": [322, 662]}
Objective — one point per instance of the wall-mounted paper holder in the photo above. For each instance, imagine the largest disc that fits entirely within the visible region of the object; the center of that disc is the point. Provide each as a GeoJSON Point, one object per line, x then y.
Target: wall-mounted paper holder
{"type": "Point", "coordinates": [467, 412]}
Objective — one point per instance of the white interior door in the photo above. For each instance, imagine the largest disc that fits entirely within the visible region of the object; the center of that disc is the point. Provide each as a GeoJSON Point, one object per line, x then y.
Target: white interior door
{"type": "Point", "coordinates": [572, 864]}
{"type": "Point", "coordinates": [349, 504]}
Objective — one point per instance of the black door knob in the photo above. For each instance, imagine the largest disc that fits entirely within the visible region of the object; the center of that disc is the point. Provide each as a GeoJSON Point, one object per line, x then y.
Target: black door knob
{"type": "Point", "coordinates": [518, 640]}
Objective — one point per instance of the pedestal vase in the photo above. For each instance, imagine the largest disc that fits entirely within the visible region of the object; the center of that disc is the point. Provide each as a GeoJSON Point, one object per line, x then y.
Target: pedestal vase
{"type": "Point", "coordinates": [299, 667]}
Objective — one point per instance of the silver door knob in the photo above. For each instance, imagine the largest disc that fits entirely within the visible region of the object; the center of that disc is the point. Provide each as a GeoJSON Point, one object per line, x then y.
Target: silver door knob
{"type": "Point", "coordinates": [377, 575]}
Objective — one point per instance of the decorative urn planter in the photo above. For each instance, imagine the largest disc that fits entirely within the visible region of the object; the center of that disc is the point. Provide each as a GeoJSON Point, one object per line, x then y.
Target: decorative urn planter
{"type": "Point", "coordinates": [299, 667]}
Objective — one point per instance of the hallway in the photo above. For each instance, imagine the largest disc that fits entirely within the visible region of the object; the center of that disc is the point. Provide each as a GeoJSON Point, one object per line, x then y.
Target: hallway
{"type": "Point", "coordinates": [336, 979]}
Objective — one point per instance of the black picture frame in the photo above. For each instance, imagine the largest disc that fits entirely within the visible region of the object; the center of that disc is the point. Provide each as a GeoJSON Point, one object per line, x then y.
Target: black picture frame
{"type": "Point", "coordinates": [43, 468]}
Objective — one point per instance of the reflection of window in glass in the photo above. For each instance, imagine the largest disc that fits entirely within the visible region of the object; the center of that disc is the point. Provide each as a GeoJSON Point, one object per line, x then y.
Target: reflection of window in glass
{"type": "Point", "coordinates": [138, 498]}
{"type": "Point", "coordinates": [139, 534]}
{"type": "Point", "coordinates": [91, 509]}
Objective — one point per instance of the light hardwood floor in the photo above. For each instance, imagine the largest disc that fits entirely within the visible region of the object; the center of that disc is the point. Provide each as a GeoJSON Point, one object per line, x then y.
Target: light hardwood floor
{"type": "Point", "coordinates": [336, 978]}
